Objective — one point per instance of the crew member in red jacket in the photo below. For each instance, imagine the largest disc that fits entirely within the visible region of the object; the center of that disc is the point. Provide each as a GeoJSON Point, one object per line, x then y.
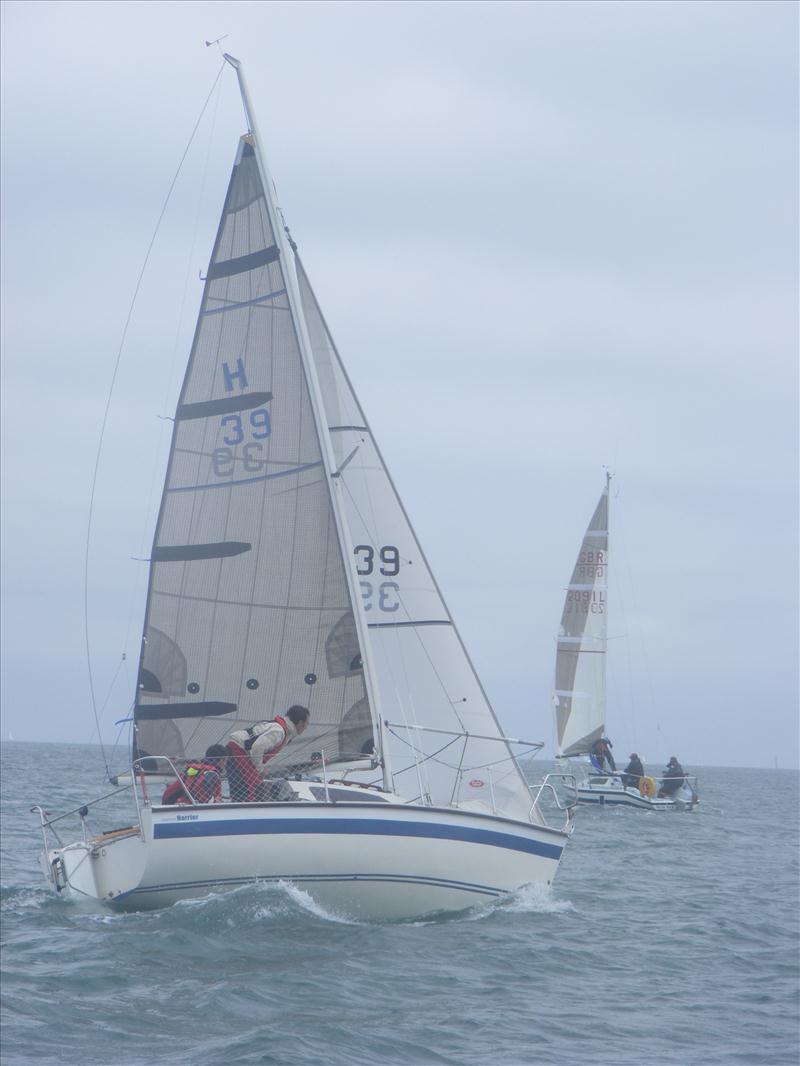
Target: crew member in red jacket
{"type": "Point", "coordinates": [250, 751]}
{"type": "Point", "coordinates": [200, 781]}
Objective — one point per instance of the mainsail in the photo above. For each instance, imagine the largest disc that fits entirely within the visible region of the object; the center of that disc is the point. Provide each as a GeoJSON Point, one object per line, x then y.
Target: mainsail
{"type": "Point", "coordinates": [580, 687]}
{"type": "Point", "coordinates": [277, 514]}
{"type": "Point", "coordinates": [420, 667]}
{"type": "Point", "coordinates": [249, 608]}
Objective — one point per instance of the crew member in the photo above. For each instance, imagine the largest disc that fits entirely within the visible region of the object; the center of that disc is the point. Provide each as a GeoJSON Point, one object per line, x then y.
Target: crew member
{"type": "Point", "coordinates": [252, 749]}
{"type": "Point", "coordinates": [601, 757]}
{"type": "Point", "coordinates": [633, 772]}
{"type": "Point", "coordinates": [673, 778]}
{"type": "Point", "coordinates": [199, 782]}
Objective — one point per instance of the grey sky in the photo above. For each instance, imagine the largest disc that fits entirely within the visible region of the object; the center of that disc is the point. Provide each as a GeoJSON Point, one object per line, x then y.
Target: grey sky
{"type": "Point", "coordinates": [546, 237]}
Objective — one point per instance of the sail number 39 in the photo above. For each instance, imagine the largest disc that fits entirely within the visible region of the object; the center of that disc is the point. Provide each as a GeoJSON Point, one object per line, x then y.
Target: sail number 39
{"type": "Point", "coordinates": [387, 564]}
{"type": "Point", "coordinates": [235, 432]}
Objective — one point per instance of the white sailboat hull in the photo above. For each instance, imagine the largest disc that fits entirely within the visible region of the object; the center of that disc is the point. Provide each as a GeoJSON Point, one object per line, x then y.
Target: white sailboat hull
{"type": "Point", "coordinates": [610, 792]}
{"type": "Point", "coordinates": [371, 862]}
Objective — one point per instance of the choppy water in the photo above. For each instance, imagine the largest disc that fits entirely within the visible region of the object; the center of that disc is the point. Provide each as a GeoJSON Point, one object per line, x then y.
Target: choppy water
{"type": "Point", "coordinates": [665, 939]}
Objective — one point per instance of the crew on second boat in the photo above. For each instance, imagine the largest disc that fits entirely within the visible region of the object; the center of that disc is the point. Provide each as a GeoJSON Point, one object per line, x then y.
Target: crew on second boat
{"type": "Point", "coordinates": [601, 757]}
{"type": "Point", "coordinates": [672, 778]}
{"type": "Point", "coordinates": [633, 772]}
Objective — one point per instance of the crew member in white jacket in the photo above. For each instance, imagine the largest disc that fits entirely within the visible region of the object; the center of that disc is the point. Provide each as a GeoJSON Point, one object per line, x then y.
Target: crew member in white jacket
{"type": "Point", "coordinates": [251, 750]}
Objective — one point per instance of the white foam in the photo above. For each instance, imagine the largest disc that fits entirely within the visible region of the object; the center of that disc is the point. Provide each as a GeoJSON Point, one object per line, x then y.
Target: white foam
{"type": "Point", "coordinates": [27, 898]}
{"type": "Point", "coordinates": [536, 899]}
{"type": "Point", "coordinates": [304, 900]}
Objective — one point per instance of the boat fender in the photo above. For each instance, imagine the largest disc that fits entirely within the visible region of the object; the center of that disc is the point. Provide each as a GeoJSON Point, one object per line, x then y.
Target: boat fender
{"type": "Point", "coordinates": [647, 786]}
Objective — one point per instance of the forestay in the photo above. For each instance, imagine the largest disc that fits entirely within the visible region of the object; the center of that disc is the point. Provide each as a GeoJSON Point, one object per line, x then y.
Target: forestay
{"type": "Point", "coordinates": [421, 669]}
{"type": "Point", "coordinates": [580, 686]}
{"type": "Point", "coordinates": [248, 607]}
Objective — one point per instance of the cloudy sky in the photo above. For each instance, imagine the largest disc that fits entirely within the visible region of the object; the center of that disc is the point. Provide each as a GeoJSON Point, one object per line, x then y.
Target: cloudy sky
{"type": "Point", "coordinates": [547, 237]}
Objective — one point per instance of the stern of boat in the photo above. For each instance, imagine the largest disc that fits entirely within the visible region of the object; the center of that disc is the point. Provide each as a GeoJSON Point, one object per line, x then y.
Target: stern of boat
{"type": "Point", "coordinates": [100, 867]}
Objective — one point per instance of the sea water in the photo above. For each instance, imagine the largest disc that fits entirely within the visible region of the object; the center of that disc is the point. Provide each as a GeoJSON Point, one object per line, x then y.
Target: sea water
{"type": "Point", "coordinates": [666, 938]}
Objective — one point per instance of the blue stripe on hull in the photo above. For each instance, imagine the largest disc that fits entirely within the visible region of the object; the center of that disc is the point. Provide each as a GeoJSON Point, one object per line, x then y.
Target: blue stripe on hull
{"type": "Point", "coordinates": [353, 826]}
{"type": "Point", "coordinates": [315, 879]}
{"type": "Point", "coordinates": [623, 801]}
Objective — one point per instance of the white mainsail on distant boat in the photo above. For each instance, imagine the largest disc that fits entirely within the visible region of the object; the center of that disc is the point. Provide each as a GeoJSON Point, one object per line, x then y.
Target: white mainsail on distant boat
{"type": "Point", "coordinates": [284, 570]}
{"type": "Point", "coordinates": [580, 681]}
{"type": "Point", "coordinates": [580, 685]}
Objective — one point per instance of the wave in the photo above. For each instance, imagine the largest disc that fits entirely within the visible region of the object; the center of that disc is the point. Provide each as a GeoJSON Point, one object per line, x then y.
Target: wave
{"type": "Point", "coordinates": [530, 899]}
{"type": "Point", "coordinates": [14, 898]}
{"type": "Point", "coordinates": [535, 899]}
{"type": "Point", "coordinates": [259, 901]}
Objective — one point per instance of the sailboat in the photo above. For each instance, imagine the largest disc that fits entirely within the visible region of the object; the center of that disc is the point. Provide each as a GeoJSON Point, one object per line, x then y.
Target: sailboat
{"type": "Point", "coordinates": [285, 572]}
{"type": "Point", "coordinates": [580, 683]}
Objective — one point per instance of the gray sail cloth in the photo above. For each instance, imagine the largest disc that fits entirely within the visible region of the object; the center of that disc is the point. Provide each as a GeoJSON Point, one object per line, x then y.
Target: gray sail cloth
{"type": "Point", "coordinates": [580, 685]}
{"type": "Point", "coordinates": [248, 607]}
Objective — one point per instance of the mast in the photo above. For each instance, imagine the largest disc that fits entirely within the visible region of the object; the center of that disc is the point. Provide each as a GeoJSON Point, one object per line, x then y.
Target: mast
{"type": "Point", "coordinates": [607, 583]}
{"type": "Point", "coordinates": [333, 479]}
{"type": "Point", "coordinates": [609, 475]}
